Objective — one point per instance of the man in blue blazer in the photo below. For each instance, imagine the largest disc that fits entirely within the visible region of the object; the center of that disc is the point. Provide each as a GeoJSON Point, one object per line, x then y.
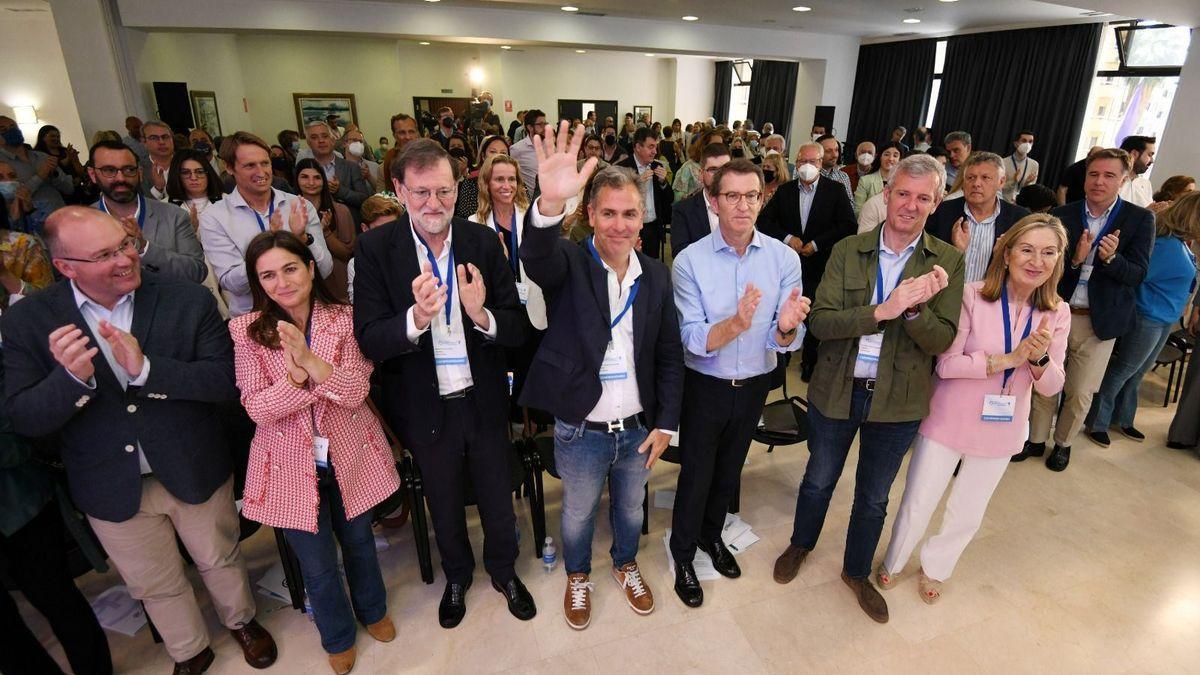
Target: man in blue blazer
{"type": "Point", "coordinates": [1109, 244]}
{"type": "Point", "coordinates": [692, 218]}
{"type": "Point", "coordinates": [127, 370]}
{"type": "Point", "coordinates": [610, 367]}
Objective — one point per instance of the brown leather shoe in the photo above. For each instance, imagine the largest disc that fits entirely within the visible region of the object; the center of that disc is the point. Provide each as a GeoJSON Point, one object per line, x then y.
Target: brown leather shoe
{"type": "Point", "coordinates": [577, 603]}
{"type": "Point", "coordinates": [637, 593]}
{"type": "Point", "coordinates": [788, 564]}
{"type": "Point", "coordinates": [197, 664]}
{"type": "Point", "coordinates": [868, 597]}
{"type": "Point", "coordinates": [343, 662]}
{"type": "Point", "coordinates": [257, 644]}
{"type": "Point", "coordinates": [383, 630]}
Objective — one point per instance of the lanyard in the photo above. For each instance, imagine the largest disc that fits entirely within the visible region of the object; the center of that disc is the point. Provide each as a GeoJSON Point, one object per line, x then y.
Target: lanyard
{"type": "Point", "coordinates": [1008, 372]}
{"type": "Point", "coordinates": [513, 260]}
{"type": "Point", "coordinates": [1024, 169]}
{"type": "Point", "coordinates": [262, 227]}
{"type": "Point", "coordinates": [1112, 217]}
{"type": "Point", "coordinates": [879, 297]}
{"type": "Point", "coordinates": [633, 291]}
{"type": "Point", "coordinates": [141, 215]}
{"type": "Point", "coordinates": [433, 266]}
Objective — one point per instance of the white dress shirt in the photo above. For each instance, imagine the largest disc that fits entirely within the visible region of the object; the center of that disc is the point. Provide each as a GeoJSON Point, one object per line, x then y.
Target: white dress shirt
{"type": "Point", "coordinates": [1137, 190]}
{"type": "Point", "coordinates": [714, 220]}
{"type": "Point", "coordinates": [1095, 225]}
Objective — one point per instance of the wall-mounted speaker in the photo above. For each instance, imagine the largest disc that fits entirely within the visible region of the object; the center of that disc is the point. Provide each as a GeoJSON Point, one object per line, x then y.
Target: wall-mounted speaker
{"type": "Point", "coordinates": [174, 106]}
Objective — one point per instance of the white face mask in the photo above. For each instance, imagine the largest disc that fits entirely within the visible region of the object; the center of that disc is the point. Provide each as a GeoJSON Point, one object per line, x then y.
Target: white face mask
{"type": "Point", "coordinates": [1024, 148]}
{"type": "Point", "coordinates": [807, 172]}
{"type": "Point", "coordinates": [355, 148]}
{"type": "Point", "coordinates": [815, 137]}
{"type": "Point", "coordinates": [865, 159]}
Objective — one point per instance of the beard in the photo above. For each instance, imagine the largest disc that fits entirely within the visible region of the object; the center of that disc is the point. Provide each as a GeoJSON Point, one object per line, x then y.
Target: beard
{"type": "Point", "coordinates": [121, 198]}
{"type": "Point", "coordinates": [432, 224]}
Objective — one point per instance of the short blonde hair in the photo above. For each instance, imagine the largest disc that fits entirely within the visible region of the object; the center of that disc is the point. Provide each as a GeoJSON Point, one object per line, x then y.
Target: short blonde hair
{"type": "Point", "coordinates": [377, 206]}
{"type": "Point", "coordinates": [1046, 296]}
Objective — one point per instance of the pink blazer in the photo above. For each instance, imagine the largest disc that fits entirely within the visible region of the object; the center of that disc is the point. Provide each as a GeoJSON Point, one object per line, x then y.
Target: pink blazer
{"type": "Point", "coordinates": [281, 479]}
{"type": "Point", "coordinates": [962, 381]}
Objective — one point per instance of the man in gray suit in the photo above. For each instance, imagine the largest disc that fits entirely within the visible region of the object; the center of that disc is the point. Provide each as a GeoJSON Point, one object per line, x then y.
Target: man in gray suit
{"type": "Point", "coordinates": [346, 182]}
{"type": "Point", "coordinates": [126, 370]}
{"type": "Point", "coordinates": [167, 243]}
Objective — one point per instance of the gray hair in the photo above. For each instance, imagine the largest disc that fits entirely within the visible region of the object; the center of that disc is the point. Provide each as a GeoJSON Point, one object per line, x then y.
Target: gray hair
{"type": "Point", "coordinates": [317, 123]}
{"type": "Point", "coordinates": [921, 165]}
{"type": "Point", "coordinates": [960, 136]}
{"type": "Point", "coordinates": [157, 123]}
{"type": "Point", "coordinates": [977, 158]}
{"type": "Point", "coordinates": [616, 178]}
{"type": "Point", "coordinates": [772, 137]}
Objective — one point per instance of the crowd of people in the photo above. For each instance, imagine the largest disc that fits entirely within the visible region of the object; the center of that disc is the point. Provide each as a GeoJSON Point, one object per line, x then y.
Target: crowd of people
{"type": "Point", "coordinates": [623, 288]}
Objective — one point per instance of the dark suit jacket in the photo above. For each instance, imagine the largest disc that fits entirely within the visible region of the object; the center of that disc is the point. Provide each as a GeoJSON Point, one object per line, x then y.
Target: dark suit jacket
{"type": "Point", "coordinates": [353, 189]}
{"type": "Point", "coordinates": [830, 220]}
{"type": "Point", "coordinates": [941, 223]}
{"type": "Point", "coordinates": [689, 222]}
{"type": "Point", "coordinates": [385, 264]}
{"type": "Point", "coordinates": [1112, 290]}
{"type": "Point", "coordinates": [565, 376]}
{"type": "Point", "coordinates": [174, 415]}
{"type": "Point", "coordinates": [663, 194]}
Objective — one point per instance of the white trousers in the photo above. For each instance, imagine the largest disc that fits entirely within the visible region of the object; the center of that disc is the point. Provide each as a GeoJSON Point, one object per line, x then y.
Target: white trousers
{"type": "Point", "coordinates": [929, 470]}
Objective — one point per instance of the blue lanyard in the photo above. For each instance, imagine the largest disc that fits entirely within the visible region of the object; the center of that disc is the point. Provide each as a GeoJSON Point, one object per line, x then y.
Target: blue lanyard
{"type": "Point", "coordinates": [879, 298]}
{"type": "Point", "coordinates": [632, 291]}
{"type": "Point", "coordinates": [262, 227]}
{"type": "Point", "coordinates": [449, 280]}
{"type": "Point", "coordinates": [1024, 169]}
{"type": "Point", "coordinates": [1008, 372]}
{"type": "Point", "coordinates": [141, 210]}
{"type": "Point", "coordinates": [1112, 217]}
{"type": "Point", "coordinates": [513, 260]}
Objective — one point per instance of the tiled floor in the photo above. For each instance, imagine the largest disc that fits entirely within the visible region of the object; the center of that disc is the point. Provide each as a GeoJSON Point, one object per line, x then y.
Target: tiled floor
{"type": "Point", "coordinates": [1093, 570]}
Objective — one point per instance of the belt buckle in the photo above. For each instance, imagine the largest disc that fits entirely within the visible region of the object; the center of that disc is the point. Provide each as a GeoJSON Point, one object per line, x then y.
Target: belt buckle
{"type": "Point", "coordinates": [869, 385]}
{"type": "Point", "coordinates": [618, 425]}
{"type": "Point", "coordinates": [737, 384]}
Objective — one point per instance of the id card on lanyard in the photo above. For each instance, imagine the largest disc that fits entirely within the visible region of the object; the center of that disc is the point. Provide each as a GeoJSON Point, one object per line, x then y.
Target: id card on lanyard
{"type": "Point", "coordinates": [615, 365]}
{"type": "Point", "coordinates": [320, 443]}
{"type": "Point", "coordinates": [1085, 270]}
{"type": "Point", "coordinates": [514, 260]}
{"type": "Point", "coordinates": [1001, 407]}
{"type": "Point", "coordinates": [450, 348]}
{"type": "Point", "coordinates": [870, 346]}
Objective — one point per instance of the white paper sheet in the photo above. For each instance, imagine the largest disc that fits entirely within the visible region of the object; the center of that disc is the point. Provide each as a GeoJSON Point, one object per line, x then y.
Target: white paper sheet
{"type": "Point", "coordinates": [117, 611]}
{"type": "Point", "coordinates": [664, 499]}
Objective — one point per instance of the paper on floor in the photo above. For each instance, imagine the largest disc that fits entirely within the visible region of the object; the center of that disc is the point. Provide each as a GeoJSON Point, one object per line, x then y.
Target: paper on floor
{"type": "Point", "coordinates": [117, 611]}
{"type": "Point", "coordinates": [664, 499]}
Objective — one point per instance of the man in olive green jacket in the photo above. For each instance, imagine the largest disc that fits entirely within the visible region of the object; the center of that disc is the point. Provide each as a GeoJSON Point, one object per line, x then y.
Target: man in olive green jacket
{"type": "Point", "coordinates": [888, 304]}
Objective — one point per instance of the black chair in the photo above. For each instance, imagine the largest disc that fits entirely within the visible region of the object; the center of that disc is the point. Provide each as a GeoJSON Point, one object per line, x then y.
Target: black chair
{"type": "Point", "coordinates": [1186, 343]}
{"type": "Point", "coordinates": [523, 482]}
{"type": "Point", "coordinates": [1170, 356]}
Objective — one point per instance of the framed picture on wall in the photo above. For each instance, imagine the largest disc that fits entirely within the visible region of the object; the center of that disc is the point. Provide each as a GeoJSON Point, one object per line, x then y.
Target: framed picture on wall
{"type": "Point", "coordinates": [204, 112]}
{"type": "Point", "coordinates": [640, 110]}
{"type": "Point", "coordinates": [311, 107]}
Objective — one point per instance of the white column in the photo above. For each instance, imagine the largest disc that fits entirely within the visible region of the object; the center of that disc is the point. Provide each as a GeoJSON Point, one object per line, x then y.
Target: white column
{"type": "Point", "coordinates": [1179, 147]}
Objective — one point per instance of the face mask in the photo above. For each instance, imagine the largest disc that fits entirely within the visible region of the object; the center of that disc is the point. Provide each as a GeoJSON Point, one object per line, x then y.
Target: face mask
{"type": "Point", "coordinates": [737, 152]}
{"type": "Point", "coordinates": [865, 159]}
{"type": "Point", "coordinates": [807, 172]}
{"type": "Point", "coordinates": [769, 176]}
{"type": "Point", "coordinates": [447, 121]}
{"type": "Point", "coordinates": [14, 136]}
{"type": "Point", "coordinates": [753, 145]}
{"type": "Point", "coordinates": [610, 140]}
{"type": "Point", "coordinates": [458, 153]}
{"type": "Point", "coordinates": [1024, 148]}
{"type": "Point", "coordinates": [295, 146]}
{"type": "Point", "coordinates": [815, 137]}
{"type": "Point", "coordinates": [355, 148]}
{"type": "Point", "coordinates": [8, 189]}
{"type": "Point", "coordinates": [202, 147]}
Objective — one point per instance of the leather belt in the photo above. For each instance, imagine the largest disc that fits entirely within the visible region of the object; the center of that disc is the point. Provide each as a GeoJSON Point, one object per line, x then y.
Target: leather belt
{"type": "Point", "coordinates": [865, 383]}
{"type": "Point", "coordinates": [1082, 311]}
{"type": "Point", "coordinates": [737, 383]}
{"type": "Point", "coordinates": [461, 393]}
{"type": "Point", "coordinates": [637, 421]}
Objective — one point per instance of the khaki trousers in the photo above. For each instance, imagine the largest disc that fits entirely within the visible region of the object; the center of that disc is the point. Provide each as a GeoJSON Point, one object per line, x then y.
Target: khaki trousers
{"type": "Point", "coordinates": [1087, 359]}
{"type": "Point", "coordinates": [144, 551]}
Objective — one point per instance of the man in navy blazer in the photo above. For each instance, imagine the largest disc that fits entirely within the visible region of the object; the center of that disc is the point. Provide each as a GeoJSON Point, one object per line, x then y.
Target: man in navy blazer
{"type": "Point", "coordinates": [1109, 244]}
{"type": "Point", "coordinates": [692, 218]}
{"type": "Point", "coordinates": [126, 370]}
{"type": "Point", "coordinates": [610, 367]}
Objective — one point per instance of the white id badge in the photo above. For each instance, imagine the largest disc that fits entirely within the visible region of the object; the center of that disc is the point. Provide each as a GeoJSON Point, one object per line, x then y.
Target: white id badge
{"type": "Point", "coordinates": [523, 292]}
{"type": "Point", "coordinates": [449, 350]}
{"type": "Point", "coordinates": [321, 451]}
{"type": "Point", "coordinates": [869, 347]}
{"type": "Point", "coordinates": [1085, 273]}
{"type": "Point", "coordinates": [613, 367]}
{"type": "Point", "coordinates": [998, 408]}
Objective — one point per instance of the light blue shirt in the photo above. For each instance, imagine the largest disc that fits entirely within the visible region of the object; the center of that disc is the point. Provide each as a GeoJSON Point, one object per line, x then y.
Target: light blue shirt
{"type": "Point", "coordinates": [709, 279]}
{"type": "Point", "coordinates": [807, 192]}
{"type": "Point", "coordinates": [892, 265]}
{"type": "Point", "coordinates": [979, 246]}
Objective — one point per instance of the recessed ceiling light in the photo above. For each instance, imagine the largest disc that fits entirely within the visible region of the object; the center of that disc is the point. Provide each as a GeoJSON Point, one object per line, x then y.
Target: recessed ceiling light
{"type": "Point", "coordinates": [580, 51]}
{"type": "Point", "coordinates": [423, 43]}
{"type": "Point", "coordinates": [569, 8]}
{"type": "Point", "coordinates": [912, 21]}
{"type": "Point", "coordinates": [689, 17]}
{"type": "Point", "coordinates": [649, 54]}
{"type": "Point", "coordinates": [433, 0]}
{"type": "Point", "coordinates": [947, 0]}
{"type": "Point", "coordinates": [505, 46]}
{"type": "Point", "coordinates": [802, 8]}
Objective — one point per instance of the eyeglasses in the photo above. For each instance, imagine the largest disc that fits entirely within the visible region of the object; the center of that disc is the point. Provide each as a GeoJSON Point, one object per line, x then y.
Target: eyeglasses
{"type": "Point", "coordinates": [735, 198]}
{"type": "Point", "coordinates": [129, 171]}
{"type": "Point", "coordinates": [160, 139]}
{"type": "Point", "coordinates": [443, 194]}
{"type": "Point", "coordinates": [127, 244]}
{"type": "Point", "coordinates": [193, 173]}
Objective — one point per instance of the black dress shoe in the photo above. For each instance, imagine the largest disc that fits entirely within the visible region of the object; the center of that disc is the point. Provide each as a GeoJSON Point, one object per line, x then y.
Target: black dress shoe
{"type": "Point", "coordinates": [520, 602]}
{"type": "Point", "coordinates": [1100, 438]}
{"type": "Point", "coordinates": [687, 585]}
{"type": "Point", "coordinates": [454, 604]}
{"type": "Point", "coordinates": [197, 664]}
{"type": "Point", "coordinates": [1029, 450]}
{"type": "Point", "coordinates": [806, 374]}
{"type": "Point", "coordinates": [1132, 433]}
{"type": "Point", "coordinates": [1059, 458]}
{"type": "Point", "coordinates": [722, 559]}
{"type": "Point", "coordinates": [1176, 445]}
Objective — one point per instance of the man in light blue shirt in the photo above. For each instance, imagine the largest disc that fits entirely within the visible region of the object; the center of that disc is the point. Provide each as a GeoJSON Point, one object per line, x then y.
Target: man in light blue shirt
{"type": "Point", "coordinates": [739, 299]}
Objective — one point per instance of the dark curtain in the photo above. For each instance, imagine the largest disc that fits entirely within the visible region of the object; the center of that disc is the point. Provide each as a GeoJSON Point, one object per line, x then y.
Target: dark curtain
{"type": "Point", "coordinates": [773, 94]}
{"type": "Point", "coordinates": [995, 84]}
{"type": "Point", "coordinates": [722, 90]}
{"type": "Point", "coordinates": [891, 87]}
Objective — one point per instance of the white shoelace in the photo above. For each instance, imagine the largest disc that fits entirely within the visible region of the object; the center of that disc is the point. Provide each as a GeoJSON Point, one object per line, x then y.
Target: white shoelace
{"type": "Point", "coordinates": [633, 579]}
{"type": "Point", "coordinates": [579, 591]}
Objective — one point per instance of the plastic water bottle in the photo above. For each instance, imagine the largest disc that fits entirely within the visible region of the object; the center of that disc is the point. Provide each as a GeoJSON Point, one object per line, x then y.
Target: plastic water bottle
{"type": "Point", "coordinates": [549, 555]}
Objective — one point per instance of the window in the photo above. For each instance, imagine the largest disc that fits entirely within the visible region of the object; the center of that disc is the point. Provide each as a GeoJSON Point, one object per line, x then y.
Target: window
{"type": "Point", "coordinates": [739, 94]}
{"type": "Point", "coordinates": [939, 64]}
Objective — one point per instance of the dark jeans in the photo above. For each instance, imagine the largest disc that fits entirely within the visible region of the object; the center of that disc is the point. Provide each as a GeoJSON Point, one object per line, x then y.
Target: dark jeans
{"type": "Point", "coordinates": [36, 560]}
{"type": "Point", "coordinates": [715, 429]}
{"type": "Point", "coordinates": [319, 567]}
{"type": "Point", "coordinates": [469, 450]}
{"type": "Point", "coordinates": [1135, 354]}
{"type": "Point", "coordinates": [881, 451]}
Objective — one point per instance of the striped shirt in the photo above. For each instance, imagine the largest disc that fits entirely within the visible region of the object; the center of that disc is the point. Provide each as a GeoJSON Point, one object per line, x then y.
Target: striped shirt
{"type": "Point", "coordinates": [983, 238]}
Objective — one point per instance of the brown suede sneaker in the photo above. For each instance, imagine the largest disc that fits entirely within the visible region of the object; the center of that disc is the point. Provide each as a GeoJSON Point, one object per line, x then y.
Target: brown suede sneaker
{"type": "Point", "coordinates": [342, 662]}
{"type": "Point", "coordinates": [577, 603]}
{"type": "Point", "coordinates": [868, 597]}
{"type": "Point", "coordinates": [383, 630]}
{"type": "Point", "coordinates": [788, 564]}
{"type": "Point", "coordinates": [637, 593]}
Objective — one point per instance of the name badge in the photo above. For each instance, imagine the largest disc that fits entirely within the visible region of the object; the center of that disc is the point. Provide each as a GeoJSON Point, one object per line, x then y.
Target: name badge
{"type": "Point", "coordinates": [613, 367]}
{"type": "Point", "coordinates": [998, 408]}
{"type": "Point", "coordinates": [869, 347]}
{"type": "Point", "coordinates": [321, 451]}
{"type": "Point", "coordinates": [450, 350]}
{"type": "Point", "coordinates": [1085, 273]}
{"type": "Point", "coordinates": [523, 292]}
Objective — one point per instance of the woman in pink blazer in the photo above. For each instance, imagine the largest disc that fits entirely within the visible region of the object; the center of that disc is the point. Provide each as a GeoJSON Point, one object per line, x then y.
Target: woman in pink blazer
{"type": "Point", "coordinates": [979, 412]}
{"type": "Point", "coordinates": [319, 461]}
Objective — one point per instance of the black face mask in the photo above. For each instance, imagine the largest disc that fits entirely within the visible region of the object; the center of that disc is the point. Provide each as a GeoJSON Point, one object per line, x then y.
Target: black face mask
{"type": "Point", "coordinates": [737, 152]}
{"type": "Point", "coordinates": [610, 140]}
{"type": "Point", "coordinates": [769, 176]}
{"type": "Point", "coordinates": [447, 121]}
{"type": "Point", "coordinates": [458, 153]}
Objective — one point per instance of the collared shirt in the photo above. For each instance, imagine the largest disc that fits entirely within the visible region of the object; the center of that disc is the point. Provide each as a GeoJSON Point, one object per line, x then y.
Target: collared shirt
{"type": "Point", "coordinates": [649, 215]}
{"type": "Point", "coordinates": [451, 377]}
{"type": "Point", "coordinates": [527, 160]}
{"type": "Point", "coordinates": [807, 192]}
{"type": "Point", "coordinates": [841, 177]}
{"type": "Point", "coordinates": [709, 279]}
{"type": "Point", "coordinates": [1018, 174]}
{"type": "Point", "coordinates": [714, 220]}
{"type": "Point", "coordinates": [1137, 190]}
{"type": "Point", "coordinates": [620, 398]}
{"type": "Point", "coordinates": [983, 238]}
{"type": "Point", "coordinates": [121, 316]}
{"type": "Point", "coordinates": [330, 169]}
{"type": "Point", "coordinates": [228, 226]}
{"type": "Point", "coordinates": [1095, 225]}
{"type": "Point", "coordinates": [891, 264]}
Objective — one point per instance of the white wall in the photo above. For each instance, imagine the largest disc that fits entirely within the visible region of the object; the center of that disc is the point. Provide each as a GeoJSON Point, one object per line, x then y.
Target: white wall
{"type": "Point", "coordinates": [34, 73]}
{"type": "Point", "coordinates": [1179, 147]}
{"type": "Point", "coordinates": [694, 79]}
{"type": "Point", "coordinates": [206, 61]}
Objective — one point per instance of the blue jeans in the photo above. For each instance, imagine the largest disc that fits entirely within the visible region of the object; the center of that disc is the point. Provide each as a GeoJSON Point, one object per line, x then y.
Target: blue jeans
{"type": "Point", "coordinates": [880, 454]}
{"type": "Point", "coordinates": [1135, 354]}
{"type": "Point", "coordinates": [585, 458]}
{"type": "Point", "coordinates": [319, 567]}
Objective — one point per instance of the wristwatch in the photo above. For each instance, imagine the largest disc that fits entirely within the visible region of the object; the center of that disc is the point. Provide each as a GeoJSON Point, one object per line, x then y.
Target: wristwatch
{"type": "Point", "coordinates": [308, 238]}
{"type": "Point", "coordinates": [1040, 363]}
{"type": "Point", "coordinates": [790, 333]}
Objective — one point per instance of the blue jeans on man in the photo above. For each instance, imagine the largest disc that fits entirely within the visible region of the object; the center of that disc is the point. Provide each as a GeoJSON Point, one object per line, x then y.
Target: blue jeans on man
{"type": "Point", "coordinates": [881, 451]}
{"type": "Point", "coordinates": [1134, 356]}
{"type": "Point", "coordinates": [585, 459]}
